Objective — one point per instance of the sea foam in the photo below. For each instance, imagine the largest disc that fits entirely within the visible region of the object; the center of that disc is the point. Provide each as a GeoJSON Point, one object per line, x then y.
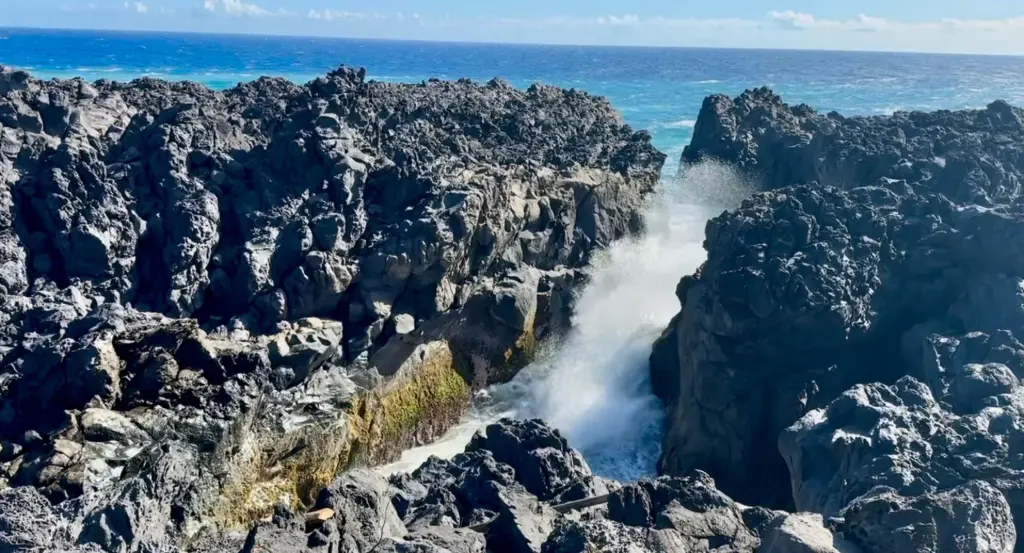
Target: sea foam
{"type": "Point", "coordinates": [594, 385]}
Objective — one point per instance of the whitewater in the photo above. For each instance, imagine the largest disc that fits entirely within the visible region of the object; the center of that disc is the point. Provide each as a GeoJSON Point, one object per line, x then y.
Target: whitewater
{"type": "Point", "coordinates": [594, 384]}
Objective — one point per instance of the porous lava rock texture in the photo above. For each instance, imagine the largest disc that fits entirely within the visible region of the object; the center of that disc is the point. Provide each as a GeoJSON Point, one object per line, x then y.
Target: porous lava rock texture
{"type": "Point", "coordinates": [852, 346]}
{"type": "Point", "coordinates": [472, 503]}
{"type": "Point", "coordinates": [215, 301]}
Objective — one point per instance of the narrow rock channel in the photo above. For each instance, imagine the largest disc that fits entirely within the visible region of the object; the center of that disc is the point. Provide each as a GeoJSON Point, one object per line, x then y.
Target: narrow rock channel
{"type": "Point", "coordinates": [594, 385]}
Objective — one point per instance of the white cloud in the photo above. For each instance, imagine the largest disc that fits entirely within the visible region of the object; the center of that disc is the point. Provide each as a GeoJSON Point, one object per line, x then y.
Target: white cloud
{"type": "Point", "coordinates": [790, 19]}
{"type": "Point", "coordinates": [235, 8]}
{"type": "Point", "coordinates": [141, 8]}
{"type": "Point", "coordinates": [627, 19]}
{"type": "Point", "coordinates": [623, 22]}
{"type": "Point", "coordinates": [1009, 24]}
{"type": "Point", "coordinates": [335, 15]}
{"type": "Point", "coordinates": [339, 15]}
{"type": "Point", "coordinates": [799, 21]}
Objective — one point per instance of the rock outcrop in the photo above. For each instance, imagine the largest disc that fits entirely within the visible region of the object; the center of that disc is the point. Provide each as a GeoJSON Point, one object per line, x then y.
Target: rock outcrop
{"type": "Point", "coordinates": [862, 314]}
{"type": "Point", "coordinates": [469, 504]}
{"type": "Point", "coordinates": [212, 302]}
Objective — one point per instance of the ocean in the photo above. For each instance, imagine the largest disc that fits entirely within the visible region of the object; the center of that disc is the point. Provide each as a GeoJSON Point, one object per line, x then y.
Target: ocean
{"type": "Point", "coordinates": [610, 414]}
{"type": "Point", "coordinates": [658, 89]}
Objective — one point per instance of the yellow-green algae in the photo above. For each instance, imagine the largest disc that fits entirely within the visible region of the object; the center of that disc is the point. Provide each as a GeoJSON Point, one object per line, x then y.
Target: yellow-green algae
{"type": "Point", "coordinates": [294, 468]}
{"type": "Point", "coordinates": [428, 395]}
{"type": "Point", "coordinates": [519, 355]}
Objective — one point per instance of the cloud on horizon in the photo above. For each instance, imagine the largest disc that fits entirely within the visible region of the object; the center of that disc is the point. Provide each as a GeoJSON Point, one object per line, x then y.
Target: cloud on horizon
{"type": "Point", "coordinates": [236, 8]}
{"type": "Point", "coordinates": [798, 21]}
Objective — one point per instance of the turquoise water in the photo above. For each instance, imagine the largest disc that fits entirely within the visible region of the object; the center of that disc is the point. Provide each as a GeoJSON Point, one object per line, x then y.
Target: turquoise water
{"type": "Point", "coordinates": [659, 89]}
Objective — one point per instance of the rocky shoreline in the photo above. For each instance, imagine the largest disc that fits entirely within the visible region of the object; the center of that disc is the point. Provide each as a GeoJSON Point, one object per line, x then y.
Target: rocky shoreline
{"type": "Point", "coordinates": [219, 306]}
{"type": "Point", "coordinates": [852, 345]}
{"type": "Point", "coordinates": [216, 302]}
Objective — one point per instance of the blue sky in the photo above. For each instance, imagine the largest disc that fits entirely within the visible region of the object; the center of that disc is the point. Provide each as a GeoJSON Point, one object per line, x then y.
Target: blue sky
{"type": "Point", "coordinates": [976, 26]}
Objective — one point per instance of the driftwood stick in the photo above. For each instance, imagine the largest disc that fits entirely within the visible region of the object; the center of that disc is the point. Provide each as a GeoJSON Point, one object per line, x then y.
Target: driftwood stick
{"type": "Point", "coordinates": [582, 503]}
{"type": "Point", "coordinates": [315, 519]}
{"type": "Point", "coordinates": [561, 508]}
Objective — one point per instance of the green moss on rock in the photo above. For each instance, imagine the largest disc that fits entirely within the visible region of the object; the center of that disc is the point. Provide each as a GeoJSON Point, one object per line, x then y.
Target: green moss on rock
{"type": "Point", "coordinates": [293, 468]}
{"type": "Point", "coordinates": [426, 397]}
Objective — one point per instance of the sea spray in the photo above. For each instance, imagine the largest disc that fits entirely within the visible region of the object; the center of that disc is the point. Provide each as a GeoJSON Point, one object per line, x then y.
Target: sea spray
{"type": "Point", "coordinates": [594, 384]}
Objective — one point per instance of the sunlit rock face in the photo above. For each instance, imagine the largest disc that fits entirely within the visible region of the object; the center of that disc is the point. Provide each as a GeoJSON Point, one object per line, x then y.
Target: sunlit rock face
{"type": "Point", "coordinates": [214, 302]}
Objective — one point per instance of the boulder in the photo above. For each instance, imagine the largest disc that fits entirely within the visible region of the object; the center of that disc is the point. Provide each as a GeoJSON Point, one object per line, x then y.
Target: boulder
{"type": "Point", "coordinates": [901, 438]}
{"type": "Point", "coordinates": [541, 458]}
{"type": "Point", "coordinates": [803, 533]}
{"type": "Point", "coordinates": [699, 514]}
{"type": "Point", "coordinates": [970, 518]}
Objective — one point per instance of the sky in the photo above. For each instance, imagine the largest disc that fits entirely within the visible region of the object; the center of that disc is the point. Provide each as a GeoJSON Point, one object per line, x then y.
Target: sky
{"type": "Point", "coordinates": [964, 26]}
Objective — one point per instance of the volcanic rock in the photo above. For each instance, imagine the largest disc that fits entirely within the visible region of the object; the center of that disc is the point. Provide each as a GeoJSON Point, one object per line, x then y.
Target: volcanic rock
{"type": "Point", "coordinates": [862, 315]}
{"type": "Point", "coordinates": [869, 226]}
{"type": "Point", "coordinates": [212, 303]}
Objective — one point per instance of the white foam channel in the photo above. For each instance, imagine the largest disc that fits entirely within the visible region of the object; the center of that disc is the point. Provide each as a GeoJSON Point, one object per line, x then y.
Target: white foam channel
{"type": "Point", "coordinates": [594, 385]}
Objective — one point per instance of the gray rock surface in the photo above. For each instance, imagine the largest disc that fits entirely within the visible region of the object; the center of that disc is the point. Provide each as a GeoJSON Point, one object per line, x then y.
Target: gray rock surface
{"type": "Point", "coordinates": [969, 156]}
{"type": "Point", "coordinates": [901, 440]}
{"type": "Point", "coordinates": [474, 502]}
{"type": "Point", "coordinates": [862, 316]}
{"type": "Point", "coordinates": [215, 302]}
{"type": "Point", "coordinates": [972, 517]}
{"type": "Point", "coordinates": [863, 233]}
{"type": "Point", "coordinates": [804, 533]}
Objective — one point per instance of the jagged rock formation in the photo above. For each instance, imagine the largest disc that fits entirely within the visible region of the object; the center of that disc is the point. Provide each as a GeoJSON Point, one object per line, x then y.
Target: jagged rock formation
{"type": "Point", "coordinates": [871, 298]}
{"type": "Point", "coordinates": [472, 503]}
{"type": "Point", "coordinates": [213, 301]}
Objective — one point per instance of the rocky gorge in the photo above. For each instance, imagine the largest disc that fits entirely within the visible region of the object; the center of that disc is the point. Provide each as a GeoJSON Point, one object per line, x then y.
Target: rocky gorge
{"type": "Point", "coordinates": [220, 308]}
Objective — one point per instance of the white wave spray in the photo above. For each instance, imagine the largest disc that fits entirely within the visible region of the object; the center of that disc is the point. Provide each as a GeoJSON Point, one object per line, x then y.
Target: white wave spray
{"type": "Point", "coordinates": [594, 384]}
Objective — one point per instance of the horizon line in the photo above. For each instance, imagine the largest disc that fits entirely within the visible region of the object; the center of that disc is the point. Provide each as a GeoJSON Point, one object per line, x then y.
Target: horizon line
{"type": "Point", "coordinates": [498, 43]}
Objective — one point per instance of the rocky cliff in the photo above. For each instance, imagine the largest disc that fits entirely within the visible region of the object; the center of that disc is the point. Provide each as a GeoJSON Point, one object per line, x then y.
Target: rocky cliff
{"type": "Point", "coordinates": [852, 346]}
{"type": "Point", "coordinates": [212, 302]}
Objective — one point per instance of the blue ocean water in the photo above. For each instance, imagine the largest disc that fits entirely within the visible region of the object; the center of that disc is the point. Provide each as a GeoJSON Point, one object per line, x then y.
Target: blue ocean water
{"type": "Point", "coordinates": [659, 89]}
